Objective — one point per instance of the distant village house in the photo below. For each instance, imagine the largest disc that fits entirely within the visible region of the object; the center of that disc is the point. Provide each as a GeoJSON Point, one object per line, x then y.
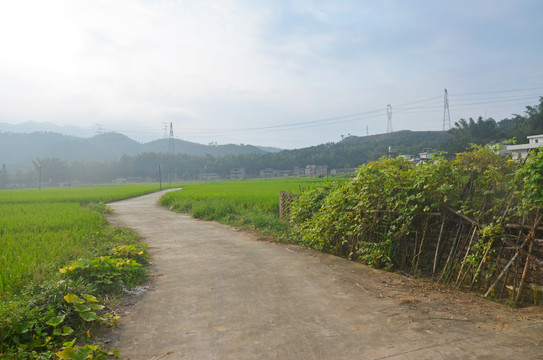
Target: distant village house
{"type": "Point", "coordinates": [521, 151]}
{"type": "Point", "coordinates": [344, 171]}
{"type": "Point", "coordinates": [237, 174]}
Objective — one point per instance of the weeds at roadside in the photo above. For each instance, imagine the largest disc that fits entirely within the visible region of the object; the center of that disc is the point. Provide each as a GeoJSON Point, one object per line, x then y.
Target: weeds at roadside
{"type": "Point", "coordinates": [50, 314]}
{"type": "Point", "coordinates": [46, 320]}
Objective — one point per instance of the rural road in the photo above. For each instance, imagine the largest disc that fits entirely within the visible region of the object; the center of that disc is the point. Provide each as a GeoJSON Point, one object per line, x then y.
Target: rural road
{"type": "Point", "coordinates": [219, 293]}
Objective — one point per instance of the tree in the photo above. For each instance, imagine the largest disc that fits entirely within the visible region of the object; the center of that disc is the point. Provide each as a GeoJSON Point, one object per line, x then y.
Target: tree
{"type": "Point", "coordinates": [488, 131]}
{"type": "Point", "coordinates": [53, 171]}
{"type": "Point", "coordinates": [4, 177]}
{"type": "Point", "coordinates": [466, 132]}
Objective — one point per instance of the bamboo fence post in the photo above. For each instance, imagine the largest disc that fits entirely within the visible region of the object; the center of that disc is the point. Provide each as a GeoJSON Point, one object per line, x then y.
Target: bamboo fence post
{"type": "Point", "coordinates": [526, 267]}
{"type": "Point", "coordinates": [452, 254]}
{"type": "Point", "coordinates": [502, 273]}
{"type": "Point", "coordinates": [417, 257]}
{"type": "Point", "coordinates": [503, 285]}
{"type": "Point", "coordinates": [465, 257]}
{"type": "Point", "coordinates": [531, 235]}
{"type": "Point", "coordinates": [437, 246]}
{"type": "Point", "coordinates": [480, 266]}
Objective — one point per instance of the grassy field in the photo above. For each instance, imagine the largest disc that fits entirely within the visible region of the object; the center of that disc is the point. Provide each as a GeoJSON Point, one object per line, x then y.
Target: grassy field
{"type": "Point", "coordinates": [82, 195]}
{"type": "Point", "coordinates": [250, 203]}
{"type": "Point", "coordinates": [41, 231]}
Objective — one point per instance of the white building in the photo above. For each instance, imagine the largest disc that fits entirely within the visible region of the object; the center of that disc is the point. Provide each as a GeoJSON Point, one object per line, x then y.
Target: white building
{"type": "Point", "coordinates": [522, 150]}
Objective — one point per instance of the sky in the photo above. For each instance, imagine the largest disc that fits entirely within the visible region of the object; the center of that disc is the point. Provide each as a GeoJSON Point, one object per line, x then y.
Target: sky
{"type": "Point", "coordinates": [287, 74]}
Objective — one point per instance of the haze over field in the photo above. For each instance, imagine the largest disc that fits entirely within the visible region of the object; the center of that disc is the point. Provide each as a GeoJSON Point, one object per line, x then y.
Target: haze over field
{"type": "Point", "coordinates": [269, 73]}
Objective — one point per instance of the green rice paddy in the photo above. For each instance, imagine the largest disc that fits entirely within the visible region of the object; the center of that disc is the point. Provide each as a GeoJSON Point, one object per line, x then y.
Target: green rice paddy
{"type": "Point", "coordinates": [42, 230]}
{"type": "Point", "coordinates": [250, 203]}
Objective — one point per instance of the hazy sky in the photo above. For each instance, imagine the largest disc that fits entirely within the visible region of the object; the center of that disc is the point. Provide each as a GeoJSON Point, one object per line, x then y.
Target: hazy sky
{"type": "Point", "coordinates": [267, 72]}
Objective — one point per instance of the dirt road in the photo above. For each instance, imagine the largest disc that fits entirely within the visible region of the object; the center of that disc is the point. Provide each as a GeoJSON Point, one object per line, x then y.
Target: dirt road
{"type": "Point", "coordinates": [220, 294]}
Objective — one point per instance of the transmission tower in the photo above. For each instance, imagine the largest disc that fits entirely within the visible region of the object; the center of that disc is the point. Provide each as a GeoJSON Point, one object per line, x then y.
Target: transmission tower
{"type": "Point", "coordinates": [171, 150]}
{"type": "Point", "coordinates": [99, 129]}
{"type": "Point", "coordinates": [171, 144]}
{"type": "Point", "coordinates": [389, 117]}
{"type": "Point", "coordinates": [446, 114]}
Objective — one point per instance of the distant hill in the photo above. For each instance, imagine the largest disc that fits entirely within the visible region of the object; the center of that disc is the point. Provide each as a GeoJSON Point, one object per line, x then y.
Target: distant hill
{"type": "Point", "coordinates": [270, 149]}
{"type": "Point", "coordinates": [351, 152]}
{"type": "Point", "coordinates": [105, 157]}
{"type": "Point", "coordinates": [35, 126]}
{"type": "Point", "coordinates": [406, 142]}
{"type": "Point", "coordinates": [356, 150]}
{"type": "Point", "coordinates": [190, 148]}
{"type": "Point", "coordinates": [18, 150]}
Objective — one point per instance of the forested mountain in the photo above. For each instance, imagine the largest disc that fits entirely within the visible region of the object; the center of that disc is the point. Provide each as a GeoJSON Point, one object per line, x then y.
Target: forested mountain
{"type": "Point", "coordinates": [68, 159]}
{"type": "Point", "coordinates": [21, 149]}
{"type": "Point", "coordinates": [485, 131]}
{"type": "Point", "coordinates": [190, 148]}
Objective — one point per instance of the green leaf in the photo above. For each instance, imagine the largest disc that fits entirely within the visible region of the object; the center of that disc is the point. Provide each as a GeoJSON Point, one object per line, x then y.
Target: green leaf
{"type": "Point", "coordinates": [88, 316]}
{"type": "Point", "coordinates": [90, 347]}
{"type": "Point", "coordinates": [81, 308]}
{"type": "Point", "coordinates": [66, 330]}
{"type": "Point", "coordinates": [69, 344]}
{"type": "Point", "coordinates": [83, 354]}
{"type": "Point", "coordinates": [90, 298]}
{"type": "Point", "coordinates": [73, 299]}
{"type": "Point", "coordinates": [96, 306]}
{"type": "Point", "coordinates": [67, 354]}
{"type": "Point", "coordinates": [55, 321]}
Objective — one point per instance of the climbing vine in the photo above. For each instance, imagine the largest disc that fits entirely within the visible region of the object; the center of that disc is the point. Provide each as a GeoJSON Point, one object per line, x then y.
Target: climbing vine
{"type": "Point", "coordinates": [459, 221]}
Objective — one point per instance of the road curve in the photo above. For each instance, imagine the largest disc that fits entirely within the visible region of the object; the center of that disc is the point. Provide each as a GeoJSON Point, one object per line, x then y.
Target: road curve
{"type": "Point", "coordinates": [220, 294]}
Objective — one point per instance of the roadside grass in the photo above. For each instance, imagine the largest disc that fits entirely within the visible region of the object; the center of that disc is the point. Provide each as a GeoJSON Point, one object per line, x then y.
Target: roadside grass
{"type": "Point", "coordinates": [246, 204]}
{"type": "Point", "coordinates": [81, 195]}
{"type": "Point", "coordinates": [60, 265]}
{"type": "Point", "coordinates": [42, 230]}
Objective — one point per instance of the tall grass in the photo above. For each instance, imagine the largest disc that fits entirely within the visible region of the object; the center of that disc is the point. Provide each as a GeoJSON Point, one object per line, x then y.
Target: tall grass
{"type": "Point", "coordinates": [105, 193]}
{"type": "Point", "coordinates": [41, 231]}
{"type": "Point", "coordinates": [251, 203]}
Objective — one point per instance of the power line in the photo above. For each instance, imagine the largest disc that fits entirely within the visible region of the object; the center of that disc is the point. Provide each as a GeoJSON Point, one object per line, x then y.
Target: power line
{"type": "Point", "coordinates": [500, 91]}
{"type": "Point", "coordinates": [416, 102]}
{"type": "Point", "coordinates": [461, 101]}
{"type": "Point", "coordinates": [402, 108]}
{"type": "Point", "coordinates": [446, 113]}
{"type": "Point", "coordinates": [282, 128]}
{"type": "Point", "coordinates": [331, 120]}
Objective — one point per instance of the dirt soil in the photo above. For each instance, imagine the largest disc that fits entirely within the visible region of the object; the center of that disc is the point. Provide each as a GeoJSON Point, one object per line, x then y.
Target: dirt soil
{"type": "Point", "coordinates": [220, 293]}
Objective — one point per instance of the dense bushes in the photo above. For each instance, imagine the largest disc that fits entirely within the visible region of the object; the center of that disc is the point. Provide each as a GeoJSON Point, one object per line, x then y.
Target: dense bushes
{"type": "Point", "coordinates": [443, 218]}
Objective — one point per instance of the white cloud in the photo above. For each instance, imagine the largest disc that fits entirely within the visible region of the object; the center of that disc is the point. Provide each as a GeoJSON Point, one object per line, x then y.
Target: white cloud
{"type": "Point", "coordinates": [216, 64]}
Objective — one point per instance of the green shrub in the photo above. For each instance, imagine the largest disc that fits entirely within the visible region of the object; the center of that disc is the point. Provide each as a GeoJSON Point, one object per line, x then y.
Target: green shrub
{"type": "Point", "coordinates": [378, 216]}
{"type": "Point", "coordinates": [106, 273]}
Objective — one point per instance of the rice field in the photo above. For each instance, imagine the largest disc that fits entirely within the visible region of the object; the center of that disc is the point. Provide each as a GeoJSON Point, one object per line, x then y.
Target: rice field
{"type": "Point", "coordinates": [250, 203]}
{"type": "Point", "coordinates": [41, 231]}
{"type": "Point", "coordinates": [104, 194]}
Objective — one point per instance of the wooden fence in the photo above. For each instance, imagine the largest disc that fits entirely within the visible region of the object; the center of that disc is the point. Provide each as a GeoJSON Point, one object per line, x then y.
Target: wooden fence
{"type": "Point", "coordinates": [285, 200]}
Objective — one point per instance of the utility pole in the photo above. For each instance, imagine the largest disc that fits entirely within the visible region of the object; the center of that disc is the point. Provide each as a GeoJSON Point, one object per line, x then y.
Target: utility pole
{"type": "Point", "coordinates": [160, 177]}
{"type": "Point", "coordinates": [446, 114]}
{"type": "Point", "coordinates": [367, 131]}
{"type": "Point", "coordinates": [389, 118]}
{"type": "Point", "coordinates": [39, 181]}
{"type": "Point", "coordinates": [171, 151]}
